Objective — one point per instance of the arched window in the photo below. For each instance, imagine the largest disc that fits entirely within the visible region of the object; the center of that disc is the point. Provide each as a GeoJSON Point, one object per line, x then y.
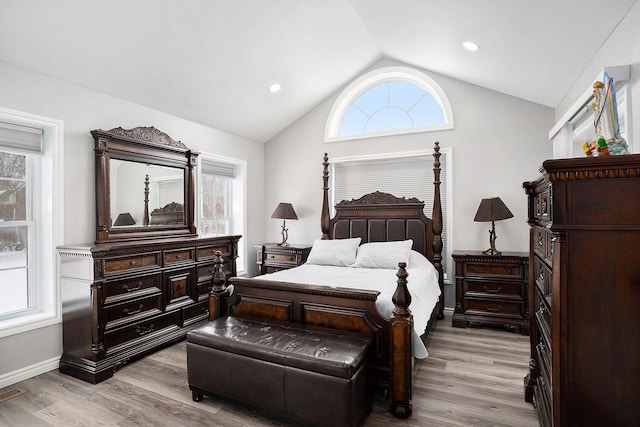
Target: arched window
{"type": "Point", "coordinates": [387, 101]}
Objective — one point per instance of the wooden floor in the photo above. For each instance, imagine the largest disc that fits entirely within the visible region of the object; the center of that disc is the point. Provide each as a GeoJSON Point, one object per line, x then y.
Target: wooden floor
{"type": "Point", "coordinates": [473, 377]}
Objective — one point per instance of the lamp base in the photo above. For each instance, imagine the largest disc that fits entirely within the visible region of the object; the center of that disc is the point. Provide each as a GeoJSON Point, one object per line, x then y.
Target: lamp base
{"type": "Point", "coordinates": [492, 251]}
{"type": "Point", "coordinates": [285, 234]}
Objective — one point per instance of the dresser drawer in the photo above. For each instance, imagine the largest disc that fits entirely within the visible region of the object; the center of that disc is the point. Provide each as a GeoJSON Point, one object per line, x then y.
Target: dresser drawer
{"type": "Point", "coordinates": [132, 311]}
{"type": "Point", "coordinates": [209, 252]}
{"type": "Point", "coordinates": [180, 287]}
{"type": "Point", "coordinates": [542, 205]}
{"type": "Point", "coordinates": [129, 263]}
{"type": "Point", "coordinates": [205, 272]}
{"type": "Point", "coordinates": [177, 256]}
{"type": "Point", "coordinates": [493, 288]}
{"type": "Point", "coordinates": [196, 313]}
{"type": "Point", "coordinates": [542, 402]}
{"type": "Point", "coordinates": [504, 308]}
{"type": "Point", "coordinates": [135, 287]}
{"type": "Point", "coordinates": [116, 339]}
{"type": "Point", "coordinates": [543, 277]}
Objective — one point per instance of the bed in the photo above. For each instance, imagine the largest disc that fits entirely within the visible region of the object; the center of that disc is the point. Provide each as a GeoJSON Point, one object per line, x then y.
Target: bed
{"type": "Point", "coordinates": [339, 302]}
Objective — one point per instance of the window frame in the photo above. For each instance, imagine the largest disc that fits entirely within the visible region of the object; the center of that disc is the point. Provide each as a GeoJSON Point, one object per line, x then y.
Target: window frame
{"type": "Point", "coordinates": [367, 81]}
{"type": "Point", "coordinates": [447, 165]}
{"type": "Point", "coordinates": [237, 206]}
{"type": "Point", "coordinates": [50, 235]}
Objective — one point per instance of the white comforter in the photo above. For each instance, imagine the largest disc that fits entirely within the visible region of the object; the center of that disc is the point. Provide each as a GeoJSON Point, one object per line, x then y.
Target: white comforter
{"type": "Point", "coordinates": [422, 283]}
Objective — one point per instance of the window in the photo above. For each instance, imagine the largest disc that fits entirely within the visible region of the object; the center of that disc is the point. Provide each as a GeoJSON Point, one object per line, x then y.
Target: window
{"type": "Point", "coordinates": [222, 200]}
{"type": "Point", "coordinates": [391, 100]}
{"type": "Point", "coordinates": [30, 220]}
{"type": "Point", "coordinates": [403, 175]}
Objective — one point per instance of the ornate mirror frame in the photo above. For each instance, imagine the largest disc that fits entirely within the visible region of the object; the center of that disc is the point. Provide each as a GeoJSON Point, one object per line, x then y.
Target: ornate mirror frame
{"type": "Point", "coordinates": [146, 145]}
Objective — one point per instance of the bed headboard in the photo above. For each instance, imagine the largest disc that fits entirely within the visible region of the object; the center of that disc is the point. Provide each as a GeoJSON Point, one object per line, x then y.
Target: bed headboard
{"type": "Point", "coordinates": [382, 217]}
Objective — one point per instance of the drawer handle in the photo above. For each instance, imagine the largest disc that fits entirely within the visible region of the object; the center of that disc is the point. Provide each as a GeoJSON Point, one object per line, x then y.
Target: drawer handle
{"type": "Point", "coordinates": [542, 309]}
{"type": "Point", "coordinates": [178, 256]}
{"type": "Point", "coordinates": [492, 309]}
{"type": "Point", "coordinates": [132, 262]}
{"type": "Point", "coordinates": [128, 289]}
{"type": "Point", "coordinates": [542, 383]}
{"type": "Point", "coordinates": [144, 330]}
{"type": "Point", "coordinates": [130, 312]}
{"type": "Point", "coordinates": [492, 291]}
{"type": "Point", "coordinates": [540, 241]}
{"type": "Point", "coordinates": [541, 275]}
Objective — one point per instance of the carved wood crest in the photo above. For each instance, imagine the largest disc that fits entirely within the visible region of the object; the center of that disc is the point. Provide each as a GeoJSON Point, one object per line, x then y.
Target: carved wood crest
{"type": "Point", "coordinates": [149, 135]}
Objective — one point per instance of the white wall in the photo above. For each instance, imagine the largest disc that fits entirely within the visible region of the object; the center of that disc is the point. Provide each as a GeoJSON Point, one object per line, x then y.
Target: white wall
{"type": "Point", "coordinates": [621, 48]}
{"type": "Point", "coordinates": [83, 110]}
{"type": "Point", "coordinates": [498, 143]}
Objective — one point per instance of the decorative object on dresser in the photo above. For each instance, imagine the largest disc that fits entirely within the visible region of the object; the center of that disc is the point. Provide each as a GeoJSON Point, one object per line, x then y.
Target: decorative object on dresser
{"type": "Point", "coordinates": [284, 211]}
{"type": "Point", "coordinates": [272, 257]}
{"type": "Point", "coordinates": [123, 219]}
{"type": "Point", "coordinates": [492, 290]}
{"type": "Point", "coordinates": [141, 286]}
{"type": "Point", "coordinates": [492, 209]}
{"type": "Point", "coordinates": [584, 291]}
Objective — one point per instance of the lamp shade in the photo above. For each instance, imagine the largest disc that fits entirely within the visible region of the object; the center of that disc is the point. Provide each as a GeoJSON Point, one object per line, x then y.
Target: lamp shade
{"type": "Point", "coordinates": [124, 219]}
{"type": "Point", "coordinates": [492, 209]}
{"type": "Point", "coordinates": [284, 211]}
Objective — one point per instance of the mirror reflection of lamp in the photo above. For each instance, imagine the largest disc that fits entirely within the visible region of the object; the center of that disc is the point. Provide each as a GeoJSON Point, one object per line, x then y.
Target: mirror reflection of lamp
{"type": "Point", "coordinates": [284, 211]}
{"type": "Point", "coordinates": [124, 218]}
{"type": "Point", "coordinates": [492, 209]}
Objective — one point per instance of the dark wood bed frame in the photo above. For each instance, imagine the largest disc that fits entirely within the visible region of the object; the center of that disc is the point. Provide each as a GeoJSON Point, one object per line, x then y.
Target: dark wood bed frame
{"type": "Point", "coordinates": [374, 217]}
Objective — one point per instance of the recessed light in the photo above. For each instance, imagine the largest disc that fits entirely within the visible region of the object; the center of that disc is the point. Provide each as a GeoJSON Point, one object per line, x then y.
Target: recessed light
{"type": "Point", "coordinates": [274, 88]}
{"type": "Point", "coordinates": [470, 46]}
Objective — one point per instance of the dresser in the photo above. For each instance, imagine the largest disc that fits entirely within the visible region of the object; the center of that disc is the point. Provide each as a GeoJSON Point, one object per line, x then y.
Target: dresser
{"type": "Point", "coordinates": [491, 290]}
{"type": "Point", "coordinates": [585, 291]}
{"type": "Point", "coordinates": [121, 300]}
{"type": "Point", "coordinates": [272, 257]}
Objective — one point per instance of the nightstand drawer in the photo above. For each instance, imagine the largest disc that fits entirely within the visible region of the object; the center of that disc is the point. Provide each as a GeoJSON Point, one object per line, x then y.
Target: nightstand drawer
{"type": "Point", "coordinates": [494, 269]}
{"type": "Point", "coordinates": [280, 259]}
{"type": "Point", "coordinates": [273, 257]}
{"type": "Point", "coordinates": [492, 288]}
{"type": "Point", "coordinates": [493, 307]}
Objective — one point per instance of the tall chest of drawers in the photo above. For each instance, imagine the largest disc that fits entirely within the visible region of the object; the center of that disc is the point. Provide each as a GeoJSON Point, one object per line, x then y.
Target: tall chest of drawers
{"type": "Point", "coordinates": [584, 291]}
{"type": "Point", "coordinates": [122, 300]}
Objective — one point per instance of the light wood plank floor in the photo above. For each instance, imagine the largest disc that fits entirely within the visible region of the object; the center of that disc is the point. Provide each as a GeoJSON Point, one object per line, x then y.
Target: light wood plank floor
{"type": "Point", "coordinates": [473, 377]}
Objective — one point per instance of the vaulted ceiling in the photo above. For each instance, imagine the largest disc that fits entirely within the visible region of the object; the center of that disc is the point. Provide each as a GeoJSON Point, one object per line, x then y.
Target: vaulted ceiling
{"type": "Point", "coordinates": [212, 61]}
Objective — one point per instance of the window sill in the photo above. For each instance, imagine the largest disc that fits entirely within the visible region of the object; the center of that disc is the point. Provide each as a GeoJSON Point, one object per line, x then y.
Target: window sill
{"type": "Point", "coordinates": [27, 323]}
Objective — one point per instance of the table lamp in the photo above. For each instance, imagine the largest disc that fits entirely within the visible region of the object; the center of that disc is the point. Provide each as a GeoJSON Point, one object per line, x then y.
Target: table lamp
{"type": "Point", "coordinates": [284, 211]}
{"type": "Point", "coordinates": [492, 209]}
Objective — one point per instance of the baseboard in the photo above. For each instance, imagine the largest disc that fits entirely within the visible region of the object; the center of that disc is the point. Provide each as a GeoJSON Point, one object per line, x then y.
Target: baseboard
{"type": "Point", "coordinates": [28, 372]}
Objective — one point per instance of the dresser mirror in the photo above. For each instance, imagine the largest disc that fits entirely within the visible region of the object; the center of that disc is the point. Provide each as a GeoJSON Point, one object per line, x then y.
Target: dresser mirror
{"type": "Point", "coordinates": [144, 185]}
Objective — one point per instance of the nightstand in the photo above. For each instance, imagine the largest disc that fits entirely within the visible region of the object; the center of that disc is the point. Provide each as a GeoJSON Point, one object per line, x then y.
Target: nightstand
{"type": "Point", "coordinates": [272, 257]}
{"type": "Point", "coordinates": [492, 290]}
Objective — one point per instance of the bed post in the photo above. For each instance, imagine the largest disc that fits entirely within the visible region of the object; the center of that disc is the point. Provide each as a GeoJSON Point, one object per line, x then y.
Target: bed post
{"type": "Point", "coordinates": [218, 294]}
{"type": "Point", "coordinates": [324, 216]}
{"type": "Point", "coordinates": [436, 226]}
{"type": "Point", "coordinates": [401, 329]}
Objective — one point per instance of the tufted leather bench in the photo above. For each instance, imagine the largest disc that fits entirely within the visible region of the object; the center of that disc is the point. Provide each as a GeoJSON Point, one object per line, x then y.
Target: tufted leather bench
{"type": "Point", "coordinates": [308, 375]}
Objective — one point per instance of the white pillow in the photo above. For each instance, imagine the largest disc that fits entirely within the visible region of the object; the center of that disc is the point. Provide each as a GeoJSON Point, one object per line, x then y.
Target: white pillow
{"type": "Point", "coordinates": [383, 254]}
{"type": "Point", "coordinates": [417, 260]}
{"type": "Point", "coordinates": [340, 252]}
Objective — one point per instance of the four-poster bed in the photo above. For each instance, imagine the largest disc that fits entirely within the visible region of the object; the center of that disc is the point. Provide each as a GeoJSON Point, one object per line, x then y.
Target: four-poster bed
{"type": "Point", "coordinates": [375, 217]}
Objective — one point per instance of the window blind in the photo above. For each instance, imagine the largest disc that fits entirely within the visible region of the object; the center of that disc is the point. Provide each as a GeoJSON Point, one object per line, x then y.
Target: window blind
{"type": "Point", "coordinates": [20, 138]}
{"type": "Point", "coordinates": [402, 177]}
{"type": "Point", "coordinates": [217, 168]}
